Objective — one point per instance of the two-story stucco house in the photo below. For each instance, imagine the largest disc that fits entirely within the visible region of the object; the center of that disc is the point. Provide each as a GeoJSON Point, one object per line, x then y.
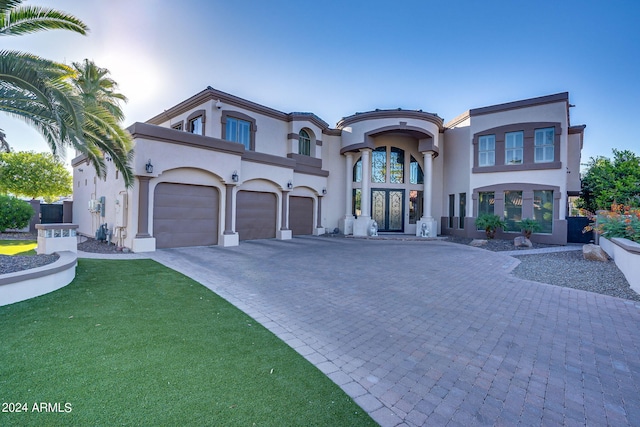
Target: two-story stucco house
{"type": "Point", "coordinates": [217, 169]}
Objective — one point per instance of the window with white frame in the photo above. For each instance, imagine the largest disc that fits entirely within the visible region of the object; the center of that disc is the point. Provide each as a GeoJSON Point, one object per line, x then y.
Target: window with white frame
{"type": "Point", "coordinates": [195, 125]}
{"type": "Point", "coordinates": [543, 145]}
{"type": "Point", "coordinates": [513, 153]}
{"type": "Point", "coordinates": [487, 150]}
{"type": "Point", "coordinates": [304, 143]}
{"type": "Point", "coordinates": [238, 130]}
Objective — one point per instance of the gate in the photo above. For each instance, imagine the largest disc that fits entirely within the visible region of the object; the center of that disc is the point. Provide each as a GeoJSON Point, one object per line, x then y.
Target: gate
{"type": "Point", "coordinates": [51, 214]}
{"type": "Point", "coordinates": [575, 225]}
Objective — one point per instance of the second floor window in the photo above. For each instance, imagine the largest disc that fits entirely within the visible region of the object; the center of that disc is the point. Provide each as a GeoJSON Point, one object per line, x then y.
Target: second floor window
{"type": "Point", "coordinates": [195, 125]}
{"type": "Point", "coordinates": [544, 148]}
{"type": "Point", "coordinates": [513, 148]}
{"type": "Point", "coordinates": [304, 143]}
{"type": "Point", "coordinates": [239, 131]}
{"type": "Point", "coordinates": [487, 150]}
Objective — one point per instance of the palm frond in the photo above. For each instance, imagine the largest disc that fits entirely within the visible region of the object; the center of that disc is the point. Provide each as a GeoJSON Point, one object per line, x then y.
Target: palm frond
{"type": "Point", "coordinates": [20, 20]}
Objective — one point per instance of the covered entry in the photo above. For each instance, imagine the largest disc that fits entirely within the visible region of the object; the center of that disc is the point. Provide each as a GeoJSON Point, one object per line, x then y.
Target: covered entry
{"type": "Point", "coordinates": [185, 215]}
{"type": "Point", "coordinates": [256, 215]}
{"type": "Point", "coordinates": [301, 215]}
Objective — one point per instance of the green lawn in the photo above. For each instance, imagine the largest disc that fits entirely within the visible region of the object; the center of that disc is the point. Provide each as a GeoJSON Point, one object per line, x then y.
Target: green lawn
{"type": "Point", "coordinates": [18, 247]}
{"type": "Point", "coordinates": [135, 343]}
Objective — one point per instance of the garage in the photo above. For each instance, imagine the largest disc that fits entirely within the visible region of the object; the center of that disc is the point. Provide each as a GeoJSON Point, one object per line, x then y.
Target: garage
{"type": "Point", "coordinates": [301, 215]}
{"type": "Point", "coordinates": [185, 215]}
{"type": "Point", "coordinates": [256, 215]}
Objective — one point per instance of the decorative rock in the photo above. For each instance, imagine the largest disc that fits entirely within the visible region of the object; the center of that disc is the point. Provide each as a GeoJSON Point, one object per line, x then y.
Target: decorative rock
{"type": "Point", "coordinates": [522, 241]}
{"type": "Point", "coordinates": [593, 252]}
{"type": "Point", "coordinates": [478, 242]}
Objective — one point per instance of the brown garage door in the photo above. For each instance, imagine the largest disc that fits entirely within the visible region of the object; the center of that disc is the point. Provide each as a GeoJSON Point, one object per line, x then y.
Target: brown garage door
{"type": "Point", "coordinates": [300, 215]}
{"type": "Point", "coordinates": [256, 215]}
{"type": "Point", "coordinates": [185, 215]}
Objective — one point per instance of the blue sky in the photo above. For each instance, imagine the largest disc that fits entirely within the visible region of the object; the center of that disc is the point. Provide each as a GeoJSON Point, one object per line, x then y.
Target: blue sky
{"type": "Point", "coordinates": [335, 58]}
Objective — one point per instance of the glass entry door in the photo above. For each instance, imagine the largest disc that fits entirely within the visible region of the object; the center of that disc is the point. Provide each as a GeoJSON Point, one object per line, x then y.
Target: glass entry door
{"type": "Point", "coordinates": [387, 209]}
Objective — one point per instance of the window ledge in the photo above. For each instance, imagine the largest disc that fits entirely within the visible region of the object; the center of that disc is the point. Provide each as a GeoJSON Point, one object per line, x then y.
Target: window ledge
{"type": "Point", "coordinates": [515, 168]}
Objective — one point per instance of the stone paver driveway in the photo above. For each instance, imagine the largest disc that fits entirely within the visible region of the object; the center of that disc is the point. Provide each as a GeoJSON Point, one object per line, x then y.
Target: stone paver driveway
{"type": "Point", "coordinates": [432, 333]}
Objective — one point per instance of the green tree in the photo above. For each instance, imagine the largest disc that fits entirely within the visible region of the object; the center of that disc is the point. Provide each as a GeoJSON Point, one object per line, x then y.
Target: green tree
{"type": "Point", "coordinates": [14, 213]}
{"type": "Point", "coordinates": [51, 96]}
{"type": "Point", "coordinates": [607, 181]}
{"type": "Point", "coordinates": [34, 175]}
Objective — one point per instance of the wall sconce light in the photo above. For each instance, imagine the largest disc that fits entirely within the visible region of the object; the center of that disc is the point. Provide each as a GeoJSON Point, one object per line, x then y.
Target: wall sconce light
{"type": "Point", "coordinates": [80, 170]}
{"type": "Point", "coordinates": [234, 176]}
{"type": "Point", "coordinates": [324, 190]}
{"type": "Point", "coordinates": [149, 167]}
{"type": "Point", "coordinates": [289, 185]}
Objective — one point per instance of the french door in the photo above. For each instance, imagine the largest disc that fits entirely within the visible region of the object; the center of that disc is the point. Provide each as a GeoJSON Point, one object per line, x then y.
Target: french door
{"type": "Point", "coordinates": [387, 209]}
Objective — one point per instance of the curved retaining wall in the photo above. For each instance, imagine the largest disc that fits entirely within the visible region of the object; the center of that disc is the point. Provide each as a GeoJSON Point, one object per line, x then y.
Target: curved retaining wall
{"type": "Point", "coordinates": [626, 255]}
{"type": "Point", "coordinates": [22, 285]}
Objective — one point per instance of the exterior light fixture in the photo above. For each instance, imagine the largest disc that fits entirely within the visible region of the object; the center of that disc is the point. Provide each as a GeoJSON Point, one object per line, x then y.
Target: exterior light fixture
{"type": "Point", "coordinates": [324, 190]}
{"type": "Point", "coordinates": [149, 167]}
{"type": "Point", "coordinates": [234, 176]}
{"type": "Point", "coordinates": [289, 185]}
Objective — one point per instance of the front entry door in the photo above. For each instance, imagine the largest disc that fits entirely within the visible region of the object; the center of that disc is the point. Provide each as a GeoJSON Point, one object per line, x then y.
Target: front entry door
{"type": "Point", "coordinates": [387, 209]}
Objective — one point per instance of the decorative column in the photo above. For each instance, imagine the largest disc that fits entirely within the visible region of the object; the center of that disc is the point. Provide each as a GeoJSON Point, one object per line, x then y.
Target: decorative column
{"type": "Point", "coordinates": [319, 230]}
{"type": "Point", "coordinates": [143, 241]}
{"type": "Point", "coordinates": [229, 236]}
{"type": "Point", "coordinates": [427, 226]}
{"type": "Point", "coordinates": [143, 207]}
{"type": "Point", "coordinates": [284, 233]}
{"type": "Point", "coordinates": [362, 223]}
{"type": "Point", "coordinates": [346, 224]}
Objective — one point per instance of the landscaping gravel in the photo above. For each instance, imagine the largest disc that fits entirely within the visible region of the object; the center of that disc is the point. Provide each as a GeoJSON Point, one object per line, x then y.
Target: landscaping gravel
{"type": "Point", "coordinates": [568, 269]}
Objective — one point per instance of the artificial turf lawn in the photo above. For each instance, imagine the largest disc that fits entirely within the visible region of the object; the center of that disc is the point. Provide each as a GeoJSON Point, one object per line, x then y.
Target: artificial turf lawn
{"type": "Point", "coordinates": [135, 343]}
{"type": "Point", "coordinates": [18, 247]}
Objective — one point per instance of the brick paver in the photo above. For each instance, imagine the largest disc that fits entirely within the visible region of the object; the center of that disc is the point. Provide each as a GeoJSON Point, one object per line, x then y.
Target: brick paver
{"type": "Point", "coordinates": [432, 333]}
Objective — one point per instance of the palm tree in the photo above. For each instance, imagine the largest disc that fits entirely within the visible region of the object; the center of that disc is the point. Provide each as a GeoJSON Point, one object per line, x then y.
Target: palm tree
{"type": "Point", "coordinates": [101, 128]}
{"type": "Point", "coordinates": [4, 144]}
{"type": "Point", "coordinates": [58, 100]}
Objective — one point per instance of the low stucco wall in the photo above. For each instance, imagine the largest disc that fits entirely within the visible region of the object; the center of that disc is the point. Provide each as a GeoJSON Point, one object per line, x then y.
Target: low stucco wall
{"type": "Point", "coordinates": [626, 255]}
{"type": "Point", "coordinates": [22, 285]}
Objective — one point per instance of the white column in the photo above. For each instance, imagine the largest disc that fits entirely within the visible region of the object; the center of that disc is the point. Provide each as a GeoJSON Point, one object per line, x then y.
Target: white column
{"type": "Point", "coordinates": [346, 224]}
{"type": "Point", "coordinates": [365, 206]}
{"type": "Point", "coordinates": [428, 184]}
{"type": "Point", "coordinates": [349, 185]}
{"type": "Point", "coordinates": [362, 223]}
{"type": "Point", "coordinates": [427, 226]}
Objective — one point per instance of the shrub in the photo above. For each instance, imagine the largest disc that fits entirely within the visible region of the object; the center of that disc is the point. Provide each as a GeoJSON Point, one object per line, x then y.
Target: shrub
{"type": "Point", "coordinates": [620, 221]}
{"type": "Point", "coordinates": [489, 223]}
{"type": "Point", "coordinates": [14, 213]}
{"type": "Point", "coordinates": [529, 226]}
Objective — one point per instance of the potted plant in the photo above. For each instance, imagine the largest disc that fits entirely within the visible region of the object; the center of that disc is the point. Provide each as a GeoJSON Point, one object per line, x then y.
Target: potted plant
{"type": "Point", "coordinates": [528, 226]}
{"type": "Point", "coordinates": [489, 223]}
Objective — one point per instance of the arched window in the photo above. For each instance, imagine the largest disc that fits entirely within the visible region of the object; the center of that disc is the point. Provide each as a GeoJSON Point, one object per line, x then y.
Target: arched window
{"type": "Point", "coordinates": [195, 122]}
{"type": "Point", "coordinates": [379, 165]}
{"type": "Point", "coordinates": [357, 171]}
{"type": "Point", "coordinates": [396, 166]}
{"type": "Point", "coordinates": [304, 143]}
{"type": "Point", "coordinates": [416, 176]}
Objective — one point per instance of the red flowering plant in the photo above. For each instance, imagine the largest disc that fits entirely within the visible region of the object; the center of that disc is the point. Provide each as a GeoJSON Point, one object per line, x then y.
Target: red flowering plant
{"type": "Point", "coordinates": [620, 221]}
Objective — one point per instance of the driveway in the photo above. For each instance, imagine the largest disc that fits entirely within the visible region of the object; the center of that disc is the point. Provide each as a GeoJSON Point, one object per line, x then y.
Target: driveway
{"type": "Point", "coordinates": [433, 333]}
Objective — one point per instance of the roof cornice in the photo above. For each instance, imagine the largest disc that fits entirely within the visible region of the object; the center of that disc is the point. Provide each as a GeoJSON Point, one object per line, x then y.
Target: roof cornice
{"type": "Point", "coordinates": [549, 99]}
{"type": "Point", "coordinates": [391, 114]}
{"type": "Point", "coordinates": [211, 94]}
